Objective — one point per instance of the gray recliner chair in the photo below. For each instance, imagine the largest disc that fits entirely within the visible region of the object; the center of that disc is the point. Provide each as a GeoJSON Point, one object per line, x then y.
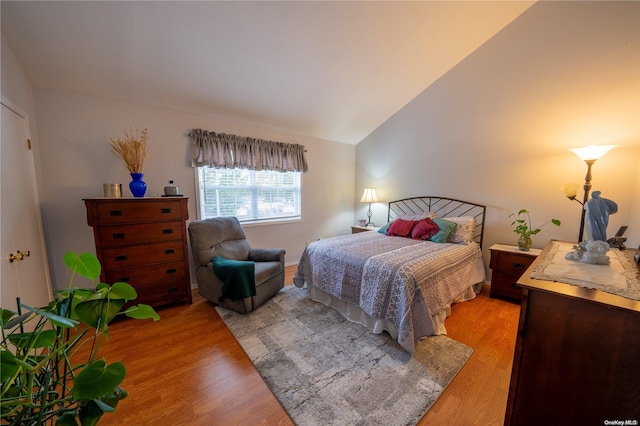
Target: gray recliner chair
{"type": "Point", "coordinates": [224, 236]}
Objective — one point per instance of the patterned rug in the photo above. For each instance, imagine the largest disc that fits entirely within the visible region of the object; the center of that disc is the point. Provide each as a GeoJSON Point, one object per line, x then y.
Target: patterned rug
{"type": "Point", "coordinates": [326, 370]}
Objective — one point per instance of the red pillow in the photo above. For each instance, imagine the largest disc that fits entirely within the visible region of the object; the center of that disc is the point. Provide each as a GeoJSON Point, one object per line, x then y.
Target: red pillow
{"type": "Point", "coordinates": [401, 227]}
{"type": "Point", "coordinates": [424, 229]}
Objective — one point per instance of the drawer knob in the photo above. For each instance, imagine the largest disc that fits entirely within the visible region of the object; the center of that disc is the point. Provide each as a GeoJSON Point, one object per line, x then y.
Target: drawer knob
{"type": "Point", "coordinates": [121, 258]}
{"type": "Point", "coordinates": [118, 236]}
{"type": "Point", "coordinates": [167, 231]}
{"type": "Point", "coordinates": [173, 290]}
{"type": "Point", "coordinates": [518, 265]}
{"type": "Point", "coordinates": [165, 211]}
{"type": "Point", "coordinates": [115, 213]}
{"type": "Point", "coordinates": [171, 271]}
{"type": "Point", "coordinates": [169, 251]}
{"type": "Point", "coordinates": [124, 279]}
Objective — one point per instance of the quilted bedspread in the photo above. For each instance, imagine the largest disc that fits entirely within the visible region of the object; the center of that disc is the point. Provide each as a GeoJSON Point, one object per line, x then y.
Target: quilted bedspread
{"type": "Point", "coordinates": [397, 279]}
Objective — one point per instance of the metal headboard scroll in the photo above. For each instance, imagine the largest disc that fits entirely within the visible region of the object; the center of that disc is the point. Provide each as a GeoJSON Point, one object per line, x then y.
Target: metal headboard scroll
{"type": "Point", "coordinates": [441, 207]}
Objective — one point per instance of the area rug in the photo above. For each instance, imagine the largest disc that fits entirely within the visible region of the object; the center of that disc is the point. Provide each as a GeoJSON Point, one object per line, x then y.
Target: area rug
{"type": "Point", "coordinates": [326, 370]}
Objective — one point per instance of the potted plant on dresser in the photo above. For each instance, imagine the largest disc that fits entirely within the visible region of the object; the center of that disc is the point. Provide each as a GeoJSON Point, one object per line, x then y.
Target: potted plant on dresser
{"type": "Point", "coordinates": [49, 366]}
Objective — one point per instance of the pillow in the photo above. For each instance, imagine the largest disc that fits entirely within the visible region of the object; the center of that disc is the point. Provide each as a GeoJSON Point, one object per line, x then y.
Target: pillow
{"type": "Point", "coordinates": [463, 234]}
{"type": "Point", "coordinates": [383, 230]}
{"type": "Point", "coordinates": [417, 216]}
{"type": "Point", "coordinates": [401, 227]}
{"type": "Point", "coordinates": [424, 229]}
{"type": "Point", "coordinates": [446, 229]}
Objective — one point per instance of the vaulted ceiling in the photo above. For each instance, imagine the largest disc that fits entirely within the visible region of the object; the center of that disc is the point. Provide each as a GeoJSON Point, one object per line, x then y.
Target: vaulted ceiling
{"type": "Point", "coordinates": [330, 70]}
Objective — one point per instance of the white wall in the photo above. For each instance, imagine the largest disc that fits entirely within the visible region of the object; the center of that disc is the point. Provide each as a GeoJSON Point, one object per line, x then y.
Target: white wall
{"type": "Point", "coordinates": [76, 161]}
{"type": "Point", "coordinates": [496, 129]}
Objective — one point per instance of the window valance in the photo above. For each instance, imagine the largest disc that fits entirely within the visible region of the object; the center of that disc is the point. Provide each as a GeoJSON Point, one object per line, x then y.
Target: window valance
{"type": "Point", "coordinates": [222, 150]}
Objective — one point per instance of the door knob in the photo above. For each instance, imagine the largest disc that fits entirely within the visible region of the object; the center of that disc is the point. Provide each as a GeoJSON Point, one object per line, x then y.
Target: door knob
{"type": "Point", "coordinates": [19, 255]}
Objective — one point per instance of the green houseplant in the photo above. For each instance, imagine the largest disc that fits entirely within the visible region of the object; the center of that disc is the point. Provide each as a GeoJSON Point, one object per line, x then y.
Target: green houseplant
{"type": "Point", "coordinates": [51, 374]}
{"type": "Point", "coordinates": [522, 226]}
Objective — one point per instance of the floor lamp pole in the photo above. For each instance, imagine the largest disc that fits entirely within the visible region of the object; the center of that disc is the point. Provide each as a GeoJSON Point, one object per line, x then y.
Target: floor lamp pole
{"type": "Point", "coordinates": [587, 189]}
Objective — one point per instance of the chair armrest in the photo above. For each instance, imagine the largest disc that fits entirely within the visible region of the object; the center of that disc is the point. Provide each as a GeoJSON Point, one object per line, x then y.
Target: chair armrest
{"type": "Point", "coordinates": [266, 255]}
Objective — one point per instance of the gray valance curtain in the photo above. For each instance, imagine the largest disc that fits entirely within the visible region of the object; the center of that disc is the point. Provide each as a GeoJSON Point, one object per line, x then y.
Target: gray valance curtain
{"type": "Point", "coordinates": [222, 150]}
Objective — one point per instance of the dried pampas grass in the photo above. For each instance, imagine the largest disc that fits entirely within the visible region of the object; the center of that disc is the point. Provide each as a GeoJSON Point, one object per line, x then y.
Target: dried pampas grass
{"type": "Point", "coordinates": [132, 149]}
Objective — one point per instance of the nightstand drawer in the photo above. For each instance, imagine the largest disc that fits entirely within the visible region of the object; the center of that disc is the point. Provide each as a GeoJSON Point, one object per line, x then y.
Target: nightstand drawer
{"type": "Point", "coordinates": [505, 285]}
{"type": "Point", "coordinates": [514, 264]}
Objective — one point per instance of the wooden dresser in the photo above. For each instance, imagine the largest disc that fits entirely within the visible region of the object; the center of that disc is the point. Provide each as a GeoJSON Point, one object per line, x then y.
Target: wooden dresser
{"type": "Point", "coordinates": [143, 241]}
{"type": "Point", "coordinates": [577, 356]}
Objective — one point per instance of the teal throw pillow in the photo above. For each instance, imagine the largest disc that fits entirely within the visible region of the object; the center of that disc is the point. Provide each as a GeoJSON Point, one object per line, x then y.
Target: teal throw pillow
{"type": "Point", "coordinates": [446, 229]}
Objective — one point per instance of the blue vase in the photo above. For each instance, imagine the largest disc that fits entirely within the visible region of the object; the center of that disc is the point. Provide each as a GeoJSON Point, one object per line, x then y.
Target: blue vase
{"type": "Point", "coordinates": [137, 185]}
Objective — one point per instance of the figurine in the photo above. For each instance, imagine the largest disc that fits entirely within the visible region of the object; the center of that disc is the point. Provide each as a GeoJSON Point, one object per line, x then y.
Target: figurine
{"type": "Point", "coordinates": [592, 252]}
{"type": "Point", "coordinates": [597, 217]}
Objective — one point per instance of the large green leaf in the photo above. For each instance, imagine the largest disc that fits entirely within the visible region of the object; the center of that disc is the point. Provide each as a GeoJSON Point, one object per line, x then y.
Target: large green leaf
{"type": "Point", "coordinates": [6, 315]}
{"type": "Point", "coordinates": [8, 365]}
{"type": "Point", "coordinates": [16, 321]}
{"type": "Point", "coordinates": [142, 311]}
{"type": "Point", "coordinates": [109, 401]}
{"type": "Point", "coordinates": [36, 339]}
{"type": "Point", "coordinates": [85, 264]}
{"type": "Point", "coordinates": [123, 290]}
{"type": "Point", "coordinates": [90, 413]}
{"type": "Point", "coordinates": [97, 379]}
{"type": "Point", "coordinates": [67, 419]}
{"type": "Point", "coordinates": [98, 312]}
{"type": "Point", "coordinates": [55, 319]}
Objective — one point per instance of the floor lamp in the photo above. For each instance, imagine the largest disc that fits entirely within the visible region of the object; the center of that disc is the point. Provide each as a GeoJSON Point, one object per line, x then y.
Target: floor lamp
{"type": "Point", "coordinates": [369, 196]}
{"type": "Point", "coordinates": [589, 154]}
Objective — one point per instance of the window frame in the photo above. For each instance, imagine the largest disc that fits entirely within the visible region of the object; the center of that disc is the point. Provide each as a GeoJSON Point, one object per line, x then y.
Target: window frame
{"type": "Point", "coordinates": [249, 223]}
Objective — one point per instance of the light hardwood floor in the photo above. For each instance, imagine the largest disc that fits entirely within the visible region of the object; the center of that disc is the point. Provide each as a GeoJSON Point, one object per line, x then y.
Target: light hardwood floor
{"type": "Point", "coordinates": [187, 369]}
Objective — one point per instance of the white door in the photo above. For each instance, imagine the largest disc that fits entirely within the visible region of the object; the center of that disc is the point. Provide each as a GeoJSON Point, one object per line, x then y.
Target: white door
{"type": "Point", "coordinates": [26, 276]}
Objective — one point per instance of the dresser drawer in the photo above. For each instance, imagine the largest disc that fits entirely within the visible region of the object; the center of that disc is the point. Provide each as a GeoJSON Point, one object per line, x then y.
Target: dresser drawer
{"type": "Point", "coordinates": [163, 293]}
{"type": "Point", "coordinates": [117, 236]}
{"type": "Point", "coordinates": [150, 274]}
{"type": "Point", "coordinates": [127, 257]}
{"type": "Point", "coordinates": [513, 264]}
{"type": "Point", "coordinates": [135, 212]}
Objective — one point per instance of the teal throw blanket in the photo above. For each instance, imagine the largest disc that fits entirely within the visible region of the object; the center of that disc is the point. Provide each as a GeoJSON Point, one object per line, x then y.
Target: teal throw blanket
{"type": "Point", "coordinates": [238, 277]}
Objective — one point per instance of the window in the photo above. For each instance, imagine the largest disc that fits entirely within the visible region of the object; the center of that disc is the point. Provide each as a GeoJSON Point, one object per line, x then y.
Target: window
{"type": "Point", "coordinates": [251, 196]}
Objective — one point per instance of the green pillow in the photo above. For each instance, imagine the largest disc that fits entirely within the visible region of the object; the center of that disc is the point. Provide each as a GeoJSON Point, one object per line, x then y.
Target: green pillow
{"type": "Point", "coordinates": [446, 229]}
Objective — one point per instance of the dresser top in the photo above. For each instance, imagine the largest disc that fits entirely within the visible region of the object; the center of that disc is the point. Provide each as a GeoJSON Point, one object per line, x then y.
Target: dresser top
{"type": "Point", "coordinates": [574, 291]}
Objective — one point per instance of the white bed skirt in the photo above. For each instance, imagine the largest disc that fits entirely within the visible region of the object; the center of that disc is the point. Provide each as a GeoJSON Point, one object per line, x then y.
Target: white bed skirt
{"type": "Point", "coordinates": [354, 313]}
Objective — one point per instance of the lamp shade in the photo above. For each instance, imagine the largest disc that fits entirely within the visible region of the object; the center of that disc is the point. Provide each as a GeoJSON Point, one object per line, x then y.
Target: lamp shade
{"type": "Point", "coordinates": [592, 152]}
{"type": "Point", "coordinates": [369, 196]}
{"type": "Point", "coordinates": [570, 190]}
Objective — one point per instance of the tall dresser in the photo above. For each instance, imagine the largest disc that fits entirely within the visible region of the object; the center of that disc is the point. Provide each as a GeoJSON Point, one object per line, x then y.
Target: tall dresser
{"type": "Point", "coordinates": [143, 242]}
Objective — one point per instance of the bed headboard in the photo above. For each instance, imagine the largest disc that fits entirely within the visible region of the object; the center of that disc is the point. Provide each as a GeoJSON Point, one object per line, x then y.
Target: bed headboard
{"type": "Point", "coordinates": [442, 207]}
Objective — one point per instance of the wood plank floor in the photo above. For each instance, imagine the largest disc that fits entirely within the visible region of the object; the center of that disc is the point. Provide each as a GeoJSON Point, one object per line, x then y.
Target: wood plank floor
{"type": "Point", "coordinates": [187, 369]}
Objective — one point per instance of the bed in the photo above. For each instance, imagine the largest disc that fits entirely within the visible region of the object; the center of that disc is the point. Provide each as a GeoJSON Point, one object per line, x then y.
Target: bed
{"type": "Point", "coordinates": [399, 284]}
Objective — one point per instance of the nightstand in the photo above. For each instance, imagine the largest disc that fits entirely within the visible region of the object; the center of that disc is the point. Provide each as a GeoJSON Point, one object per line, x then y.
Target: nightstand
{"type": "Point", "coordinates": [356, 229]}
{"type": "Point", "coordinates": [508, 264]}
